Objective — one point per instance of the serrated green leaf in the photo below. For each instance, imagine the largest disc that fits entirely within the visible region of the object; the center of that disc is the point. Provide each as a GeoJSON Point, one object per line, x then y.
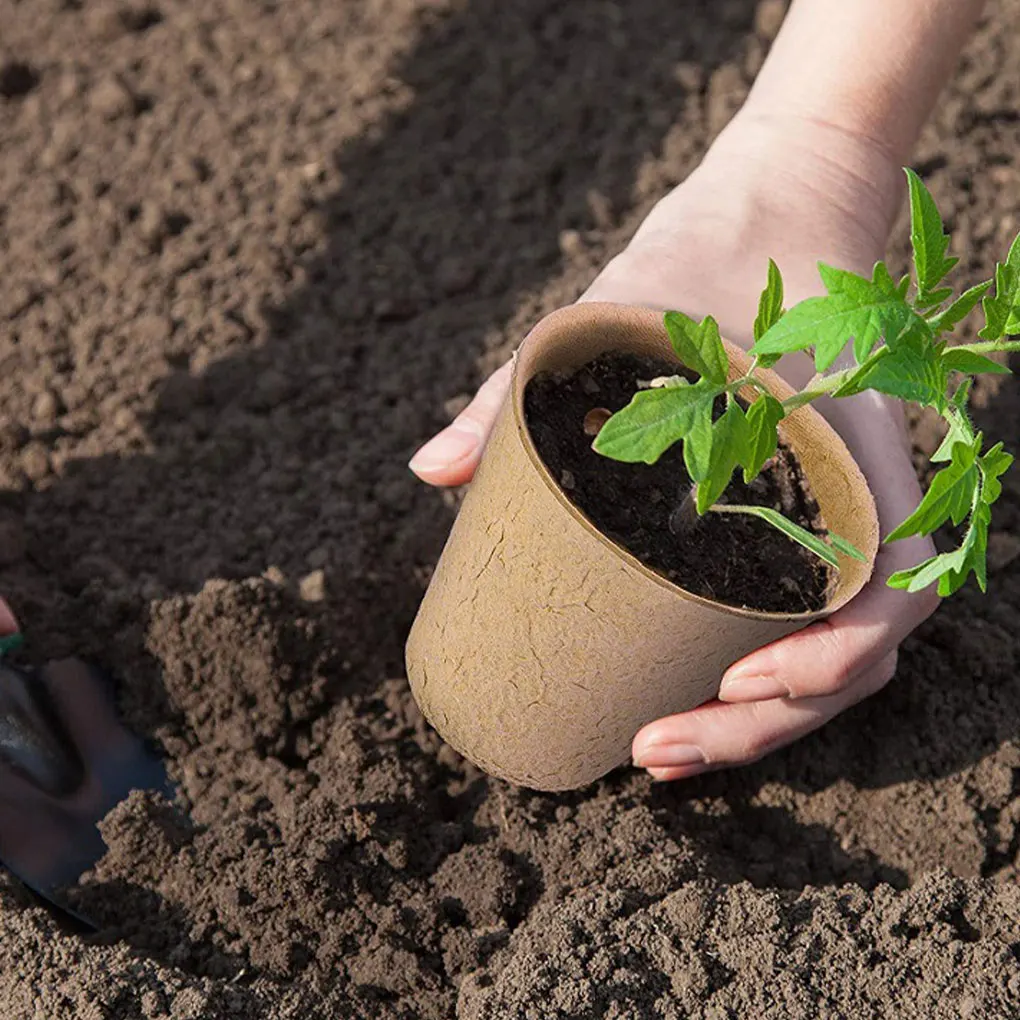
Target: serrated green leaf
{"type": "Point", "coordinates": [952, 569]}
{"type": "Point", "coordinates": [946, 321]}
{"type": "Point", "coordinates": [880, 277]}
{"type": "Point", "coordinates": [908, 373]}
{"type": "Point", "coordinates": [956, 360]}
{"type": "Point", "coordinates": [770, 304]}
{"type": "Point", "coordinates": [654, 420]}
{"type": "Point", "coordinates": [856, 308]}
{"type": "Point", "coordinates": [942, 568]}
{"type": "Point", "coordinates": [917, 335]}
{"type": "Point", "coordinates": [763, 437]}
{"type": "Point", "coordinates": [1002, 310]}
{"type": "Point", "coordinates": [961, 396]}
{"type": "Point", "coordinates": [854, 383]}
{"type": "Point", "coordinates": [805, 538]}
{"type": "Point", "coordinates": [930, 243]}
{"type": "Point", "coordinates": [950, 496]}
{"type": "Point", "coordinates": [993, 464]}
{"type": "Point", "coordinates": [729, 447]}
{"type": "Point", "coordinates": [847, 548]}
{"type": "Point", "coordinates": [960, 431]}
{"type": "Point", "coordinates": [698, 345]}
{"type": "Point", "coordinates": [698, 445]}
{"type": "Point", "coordinates": [936, 297]}
{"type": "Point", "coordinates": [977, 554]}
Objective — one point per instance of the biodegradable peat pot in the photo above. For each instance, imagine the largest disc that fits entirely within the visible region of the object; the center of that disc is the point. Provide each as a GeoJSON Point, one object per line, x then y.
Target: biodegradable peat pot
{"type": "Point", "coordinates": [541, 647]}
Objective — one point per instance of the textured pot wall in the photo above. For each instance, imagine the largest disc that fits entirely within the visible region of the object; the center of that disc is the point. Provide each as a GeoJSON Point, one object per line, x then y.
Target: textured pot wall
{"type": "Point", "coordinates": [540, 647]}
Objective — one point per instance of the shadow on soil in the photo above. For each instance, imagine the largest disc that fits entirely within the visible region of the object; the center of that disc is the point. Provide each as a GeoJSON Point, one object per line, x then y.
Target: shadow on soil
{"type": "Point", "coordinates": [528, 118]}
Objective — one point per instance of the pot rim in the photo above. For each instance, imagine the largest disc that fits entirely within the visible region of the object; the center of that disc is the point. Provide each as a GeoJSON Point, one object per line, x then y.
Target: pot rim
{"type": "Point", "coordinates": [775, 384]}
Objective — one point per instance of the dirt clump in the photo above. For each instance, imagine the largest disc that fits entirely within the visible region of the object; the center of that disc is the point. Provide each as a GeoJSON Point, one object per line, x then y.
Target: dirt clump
{"type": "Point", "coordinates": [250, 250]}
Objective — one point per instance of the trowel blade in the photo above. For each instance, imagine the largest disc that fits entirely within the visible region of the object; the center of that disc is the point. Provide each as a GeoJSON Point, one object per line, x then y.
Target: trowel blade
{"type": "Point", "coordinates": [65, 761]}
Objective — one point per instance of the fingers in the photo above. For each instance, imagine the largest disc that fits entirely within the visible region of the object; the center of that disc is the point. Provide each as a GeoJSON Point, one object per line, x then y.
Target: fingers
{"type": "Point", "coordinates": [791, 687]}
{"type": "Point", "coordinates": [450, 458]}
{"type": "Point", "coordinates": [826, 657]}
{"type": "Point", "coordinates": [719, 735]}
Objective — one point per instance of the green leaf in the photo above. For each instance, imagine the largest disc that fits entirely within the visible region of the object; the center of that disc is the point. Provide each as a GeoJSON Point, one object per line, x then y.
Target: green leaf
{"type": "Point", "coordinates": [961, 396]}
{"type": "Point", "coordinates": [729, 447]}
{"type": "Point", "coordinates": [956, 360]}
{"type": "Point", "coordinates": [908, 373]}
{"type": "Point", "coordinates": [763, 437]}
{"type": "Point", "coordinates": [698, 345]}
{"type": "Point", "coordinates": [855, 382]}
{"type": "Point", "coordinates": [952, 569]}
{"type": "Point", "coordinates": [993, 464]}
{"type": "Point", "coordinates": [930, 243]}
{"type": "Point", "coordinates": [916, 334]}
{"type": "Point", "coordinates": [960, 431]}
{"type": "Point", "coordinates": [949, 569]}
{"type": "Point", "coordinates": [820, 548]}
{"type": "Point", "coordinates": [856, 308]}
{"type": "Point", "coordinates": [1002, 311]}
{"type": "Point", "coordinates": [975, 548]}
{"type": "Point", "coordinates": [770, 304]}
{"type": "Point", "coordinates": [946, 321]}
{"type": "Point", "coordinates": [846, 548]}
{"type": "Point", "coordinates": [698, 444]}
{"type": "Point", "coordinates": [950, 496]}
{"type": "Point", "coordinates": [656, 419]}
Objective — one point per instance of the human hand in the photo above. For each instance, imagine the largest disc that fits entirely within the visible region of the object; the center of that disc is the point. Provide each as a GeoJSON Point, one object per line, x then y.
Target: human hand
{"type": "Point", "coordinates": [798, 192]}
{"type": "Point", "coordinates": [8, 622]}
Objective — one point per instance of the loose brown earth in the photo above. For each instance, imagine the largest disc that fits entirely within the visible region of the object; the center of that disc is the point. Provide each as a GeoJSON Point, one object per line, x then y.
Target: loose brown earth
{"type": "Point", "coordinates": [249, 249]}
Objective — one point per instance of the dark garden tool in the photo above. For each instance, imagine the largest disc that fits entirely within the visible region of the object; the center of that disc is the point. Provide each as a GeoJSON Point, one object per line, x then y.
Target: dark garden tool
{"type": "Point", "coordinates": [65, 761]}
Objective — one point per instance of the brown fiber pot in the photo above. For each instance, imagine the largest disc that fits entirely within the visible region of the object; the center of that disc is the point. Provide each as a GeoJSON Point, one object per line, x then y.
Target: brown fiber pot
{"type": "Point", "coordinates": [541, 647]}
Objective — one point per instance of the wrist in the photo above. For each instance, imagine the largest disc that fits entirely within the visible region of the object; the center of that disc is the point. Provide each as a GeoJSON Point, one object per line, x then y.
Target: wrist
{"type": "Point", "coordinates": [835, 184]}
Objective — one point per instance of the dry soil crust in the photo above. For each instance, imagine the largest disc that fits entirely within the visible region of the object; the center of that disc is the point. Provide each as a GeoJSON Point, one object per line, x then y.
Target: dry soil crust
{"type": "Point", "coordinates": [248, 250]}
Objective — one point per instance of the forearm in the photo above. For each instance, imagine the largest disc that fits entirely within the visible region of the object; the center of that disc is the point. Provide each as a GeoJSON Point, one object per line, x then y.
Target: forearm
{"type": "Point", "coordinates": [871, 68]}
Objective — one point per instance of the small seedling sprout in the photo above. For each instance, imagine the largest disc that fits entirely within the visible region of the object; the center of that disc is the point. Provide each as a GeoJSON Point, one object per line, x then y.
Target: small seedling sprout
{"type": "Point", "coordinates": [896, 332]}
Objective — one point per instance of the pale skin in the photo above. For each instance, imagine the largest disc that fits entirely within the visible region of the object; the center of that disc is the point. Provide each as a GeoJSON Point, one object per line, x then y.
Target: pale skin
{"type": "Point", "coordinates": [809, 169]}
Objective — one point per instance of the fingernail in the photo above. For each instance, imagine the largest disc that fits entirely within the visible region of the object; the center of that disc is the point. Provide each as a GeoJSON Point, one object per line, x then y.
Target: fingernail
{"type": "Point", "coordinates": [668, 755]}
{"type": "Point", "coordinates": [454, 443]}
{"type": "Point", "coordinates": [667, 775]}
{"type": "Point", "coordinates": [752, 688]}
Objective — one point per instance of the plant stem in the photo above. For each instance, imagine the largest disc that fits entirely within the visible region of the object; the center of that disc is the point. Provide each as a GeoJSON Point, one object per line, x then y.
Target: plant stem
{"type": "Point", "coordinates": [747, 380]}
{"type": "Point", "coordinates": [817, 387]}
{"type": "Point", "coordinates": [990, 345]}
{"type": "Point", "coordinates": [684, 517]}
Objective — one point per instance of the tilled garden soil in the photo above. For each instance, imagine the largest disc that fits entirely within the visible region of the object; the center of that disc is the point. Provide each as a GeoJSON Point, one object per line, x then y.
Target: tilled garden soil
{"type": "Point", "coordinates": [250, 251]}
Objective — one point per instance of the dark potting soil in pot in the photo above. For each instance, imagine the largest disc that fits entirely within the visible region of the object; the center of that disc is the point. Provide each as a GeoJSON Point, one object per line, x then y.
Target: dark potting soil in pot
{"type": "Point", "coordinates": [735, 559]}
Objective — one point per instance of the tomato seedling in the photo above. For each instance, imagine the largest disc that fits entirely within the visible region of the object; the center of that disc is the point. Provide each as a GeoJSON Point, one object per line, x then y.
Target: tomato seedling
{"type": "Point", "coordinates": [892, 333]}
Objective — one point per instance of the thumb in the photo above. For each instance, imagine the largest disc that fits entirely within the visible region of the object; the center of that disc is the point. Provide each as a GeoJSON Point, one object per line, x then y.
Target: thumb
{"type": "Point", "coordinates": [450, 458]}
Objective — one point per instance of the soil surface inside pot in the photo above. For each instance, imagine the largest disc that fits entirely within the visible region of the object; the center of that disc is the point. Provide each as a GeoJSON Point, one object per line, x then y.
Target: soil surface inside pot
{"type": "Point", "coordinates": [249, 252]}
{"type": "Point", "coordinates": [735, 559]}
